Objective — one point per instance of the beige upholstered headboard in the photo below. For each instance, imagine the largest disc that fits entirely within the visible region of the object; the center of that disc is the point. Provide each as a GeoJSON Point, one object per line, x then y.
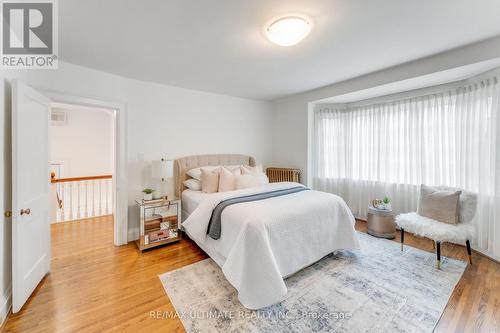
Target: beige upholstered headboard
{"type": "Point", "coordinates": [182, 165]}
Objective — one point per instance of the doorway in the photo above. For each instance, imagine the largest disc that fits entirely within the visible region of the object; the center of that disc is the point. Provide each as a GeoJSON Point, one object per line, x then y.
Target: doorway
{"type": "Point", "coordinates": [119, 176]}
{"type": "Point", "coordinates": [82, 160]}
{"type": "Point", "coordinates": [31, 111]}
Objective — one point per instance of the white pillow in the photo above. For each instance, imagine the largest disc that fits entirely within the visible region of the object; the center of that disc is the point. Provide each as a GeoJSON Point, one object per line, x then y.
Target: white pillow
{"type": "Point", "coordinates": [233, 167]}
{"type": "Point", "coordinates": [246, 169]}
{"type": "Point", "coordinates": [249, 180]}
{"type": "Point", "coordinates": [196, 172]}
{"type": "Point", "coordinates": [193, 184]}
{"type": "Point", "coordinates": [263, 179]}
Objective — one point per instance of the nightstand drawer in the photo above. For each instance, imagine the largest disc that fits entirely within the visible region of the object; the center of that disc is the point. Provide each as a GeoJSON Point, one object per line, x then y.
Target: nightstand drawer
{"type": "Point", "coordinates": [160, 222]}
{"type": "Point", "coordinates": [170, 210]}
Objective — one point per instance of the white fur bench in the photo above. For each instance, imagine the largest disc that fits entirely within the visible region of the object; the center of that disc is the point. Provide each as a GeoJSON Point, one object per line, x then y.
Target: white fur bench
{"type": "Point", "coordinates": [439, 232]}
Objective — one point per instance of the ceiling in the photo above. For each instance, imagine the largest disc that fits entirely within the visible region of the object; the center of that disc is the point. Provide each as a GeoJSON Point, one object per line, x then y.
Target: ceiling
{"type": "Point", "coordinates": [218, 45]}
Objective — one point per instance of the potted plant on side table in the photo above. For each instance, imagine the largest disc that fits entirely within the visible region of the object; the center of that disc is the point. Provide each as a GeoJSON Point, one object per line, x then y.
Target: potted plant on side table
{"type": "Point", "coordinates": [147, 194]}
{"type": "Point", "coordinates": [387, 203]}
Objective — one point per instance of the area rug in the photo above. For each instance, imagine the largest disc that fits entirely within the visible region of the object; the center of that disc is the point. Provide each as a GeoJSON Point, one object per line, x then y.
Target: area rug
{"type": "Point", "coordinates": [375, 289]}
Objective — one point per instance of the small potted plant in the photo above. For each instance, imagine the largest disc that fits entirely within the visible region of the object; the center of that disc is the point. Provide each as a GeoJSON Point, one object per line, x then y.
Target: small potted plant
{"type": "Point", "coordinates": [387, 203]}
{"type": "Point", "coordinates": [147, 194]}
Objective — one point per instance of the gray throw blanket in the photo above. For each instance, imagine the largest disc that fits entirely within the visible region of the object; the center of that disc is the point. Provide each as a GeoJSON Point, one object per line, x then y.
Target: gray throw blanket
{"type": "Point", "coordinates": [214, 226]}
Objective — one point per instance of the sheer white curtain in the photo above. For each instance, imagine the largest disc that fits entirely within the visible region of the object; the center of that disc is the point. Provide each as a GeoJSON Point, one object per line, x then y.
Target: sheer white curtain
{"type": "Point", "coordinates": [361, 152]}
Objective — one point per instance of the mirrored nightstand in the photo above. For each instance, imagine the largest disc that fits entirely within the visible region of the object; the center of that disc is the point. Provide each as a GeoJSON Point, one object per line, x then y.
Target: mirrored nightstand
{"type": "Point", "coordinates": [159, 222]}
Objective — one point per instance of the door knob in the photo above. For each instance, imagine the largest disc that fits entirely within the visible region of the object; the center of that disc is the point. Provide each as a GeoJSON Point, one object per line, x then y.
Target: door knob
{"type": "Point", "coordinates": [26, 211]}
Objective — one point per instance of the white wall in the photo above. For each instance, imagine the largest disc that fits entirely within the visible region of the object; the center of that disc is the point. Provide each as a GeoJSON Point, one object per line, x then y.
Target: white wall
{"type": "Point", "coordinates": [162, 121]}
{"type": "Point", "coordinates": [84, 144]}
{"type": "Point", "coordinates": [290, 114]}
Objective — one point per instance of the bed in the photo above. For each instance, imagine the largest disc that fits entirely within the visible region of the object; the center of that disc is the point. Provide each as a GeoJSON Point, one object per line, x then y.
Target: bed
{"type": "Point", "coordinates": [261, 242]}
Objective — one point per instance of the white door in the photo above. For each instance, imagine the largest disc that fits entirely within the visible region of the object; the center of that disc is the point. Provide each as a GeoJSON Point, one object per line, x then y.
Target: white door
{"type": "Point", "coordinates": [30, 192]}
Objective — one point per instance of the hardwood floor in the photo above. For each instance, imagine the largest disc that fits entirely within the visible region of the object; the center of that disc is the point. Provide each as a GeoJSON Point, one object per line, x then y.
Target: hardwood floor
{"type": "Point", "coordinates": [97, 287]}
{"type": "Point", "coordinates": [474, 305]}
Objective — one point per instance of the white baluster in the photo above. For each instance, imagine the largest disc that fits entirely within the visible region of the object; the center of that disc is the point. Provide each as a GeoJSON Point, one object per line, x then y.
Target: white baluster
{"type": "Point", "coordinates": [106, 184]}
{"type": "Point", "coordinates": [61, 216]}
{"type": "Point", "coordinates": [93, 198]}
{"type": "Point", "coordinates": [100, 197]}
{"type": "Point", "coordinates": [111, 193]}
{"type": "Point", "coordinates": [78, 201]}
{"type": "Point", "coordinates": [110, 196]}
{"type": "Point", "coordinates": [70, 201]}
{"type": "Point", "coordinates": [86, 211]}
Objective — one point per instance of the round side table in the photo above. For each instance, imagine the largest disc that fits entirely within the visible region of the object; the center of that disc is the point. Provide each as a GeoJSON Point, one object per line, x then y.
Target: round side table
{"type": "Point", "coordinates": [380, 223]}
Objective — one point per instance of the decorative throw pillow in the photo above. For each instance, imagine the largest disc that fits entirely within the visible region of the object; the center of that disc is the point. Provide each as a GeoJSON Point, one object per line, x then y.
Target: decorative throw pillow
{"type": "Point", "coordinates": [439, 205]}
{"type": "Point", "coordinates": [209, 180]}
{"type": "Point", "coordinates": [227, 179]}
{"type": "Point", "coordinates": [193, 184]}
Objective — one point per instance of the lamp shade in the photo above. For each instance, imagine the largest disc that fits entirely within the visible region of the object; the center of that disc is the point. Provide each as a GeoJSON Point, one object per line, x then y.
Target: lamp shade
{"type": "Point", "coordinates": [163, 169]}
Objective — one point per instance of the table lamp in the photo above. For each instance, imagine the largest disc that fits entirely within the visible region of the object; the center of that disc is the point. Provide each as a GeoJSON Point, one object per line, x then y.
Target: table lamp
{"type": "Point", "coordinates": [163, 169]}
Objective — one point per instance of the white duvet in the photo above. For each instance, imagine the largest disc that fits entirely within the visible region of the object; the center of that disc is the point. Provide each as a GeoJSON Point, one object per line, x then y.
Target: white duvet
{"type": "Point", "coordinates": [264, 241]}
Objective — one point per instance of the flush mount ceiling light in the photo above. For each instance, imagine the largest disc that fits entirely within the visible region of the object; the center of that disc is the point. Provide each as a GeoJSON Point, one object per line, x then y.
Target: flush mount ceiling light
{"type": "Point", "coordinates": [288, 30]}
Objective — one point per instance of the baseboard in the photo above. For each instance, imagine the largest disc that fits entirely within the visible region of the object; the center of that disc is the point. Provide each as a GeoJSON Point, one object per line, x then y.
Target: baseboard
{"type": "Point", "coordinates": [5, 305]}
{"type": "Point", "coordinates": [132, 235]}
{"type": "Point", "coordinates": [487, 255]}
